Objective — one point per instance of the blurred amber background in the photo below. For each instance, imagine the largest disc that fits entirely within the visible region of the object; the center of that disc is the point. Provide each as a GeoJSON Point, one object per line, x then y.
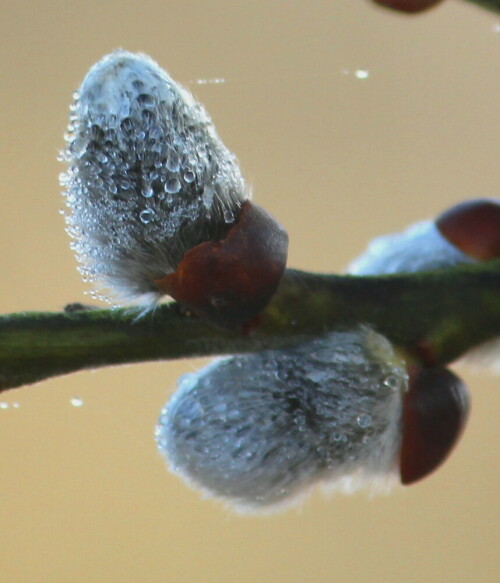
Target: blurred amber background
{"type": "Point", "coordinates": [349, 121]}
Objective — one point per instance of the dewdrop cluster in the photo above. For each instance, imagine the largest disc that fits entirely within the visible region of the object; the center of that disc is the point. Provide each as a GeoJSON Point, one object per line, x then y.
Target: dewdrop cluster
{"type": "Point", "coordinates": [148, 178]}
{"type": "Point", "coordinates": [261, 428]}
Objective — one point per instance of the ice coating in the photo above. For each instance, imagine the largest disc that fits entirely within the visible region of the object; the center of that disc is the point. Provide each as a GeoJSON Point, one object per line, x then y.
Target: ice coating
{"type": "Point", "coordinates": [148, 178]}
{"type": "Point", "coordinates": [259, 429]}
{"type": "Point", "coordinates": [420, 247]}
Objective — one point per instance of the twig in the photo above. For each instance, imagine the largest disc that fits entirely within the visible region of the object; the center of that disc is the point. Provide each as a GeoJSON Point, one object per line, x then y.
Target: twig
{"type": "Point", "coordinates": [493, 5]}
{"type": "Point", "coordinates": [447, 312]}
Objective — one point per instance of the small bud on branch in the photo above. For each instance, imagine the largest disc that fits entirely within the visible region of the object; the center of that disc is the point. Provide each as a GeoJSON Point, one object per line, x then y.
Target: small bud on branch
{"type": "Point", "coordinates": [466, 233]}
{"type": "Point", "coordinates": [410, 6]}
{"type": "Point", "coordinates": [417, 6]}
{"type": "Point", "coordinates": [153, 194]}
{"type": "Point", "coordinates": [259, 429]}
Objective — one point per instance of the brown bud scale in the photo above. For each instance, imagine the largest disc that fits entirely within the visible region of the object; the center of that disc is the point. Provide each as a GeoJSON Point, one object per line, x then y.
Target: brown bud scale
{"type": "Point", "coordinates": [435, 411]}
{"type": "Point", "coordinates": [229, 282]}
{"type": "Point", "coordinates": [410, 6]}
{"type": "Point", "coordinates": [473, 227]}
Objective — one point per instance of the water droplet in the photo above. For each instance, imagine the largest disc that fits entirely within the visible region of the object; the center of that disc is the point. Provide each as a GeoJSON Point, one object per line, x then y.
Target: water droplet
{"type": "Point", "coordinates": [145, 99]}
{"type": "Point", "coordinates": [78, 146]}
{"type": "Point", "coordinates": [228, 216]}
{"type": "Point", "coordinates": [146, 216]}
{"type": "Point", "coordinates": [127, 125]}
{"type": "Point", "coordinates": [337, 437]}
{"type": "Point", "coordinates": [76, 402]}
{"type": "Point", "coordinates": [173, 161]}
{"type": "Point", "coordinates": [173, 185]}
{"type": "Point", "coordinates": [215, 81]}
{"type": "Point", "coordinates": [189, 176]}
{"type": "Point", "coordinates": [361, 74]}
{"type": "Point", "coordinates": [364, 420]}
{"type": "Point", "coordinates": [101, 158]}
{"type": "Point", "coordinates": [147, 191]}
{"type": "Point", "coordinates": [391, 381]}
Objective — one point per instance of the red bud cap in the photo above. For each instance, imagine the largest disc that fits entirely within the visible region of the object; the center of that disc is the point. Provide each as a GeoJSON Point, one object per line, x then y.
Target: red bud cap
{"type": "Point", "coordinates": [474, 227]}
{"type": "Point", "coordinates": [230, 281]}
{"type": "Point", "coordinates": [410, 6]}
{"type": "Point", "coordinates": [435, 411]}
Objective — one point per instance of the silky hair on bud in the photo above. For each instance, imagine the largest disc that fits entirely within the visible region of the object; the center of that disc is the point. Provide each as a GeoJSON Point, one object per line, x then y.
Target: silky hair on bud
{"type": "Point", "coordinates": [148, 178]}
{"type": "Point", "coordinates": [420, 247]}
{"type": "Point", "coordinates": [259, 430]}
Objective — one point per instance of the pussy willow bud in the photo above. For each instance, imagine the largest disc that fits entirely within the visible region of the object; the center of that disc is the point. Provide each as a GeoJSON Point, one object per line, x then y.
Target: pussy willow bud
{"type": "Point", "coordinates": [466, 233]}
{"type": "Point", "coordinates": [409, 6]}
{"type": "Point", "coordinates": [261, 428]}
{"type": "Point", "coordinates": [149, 180]}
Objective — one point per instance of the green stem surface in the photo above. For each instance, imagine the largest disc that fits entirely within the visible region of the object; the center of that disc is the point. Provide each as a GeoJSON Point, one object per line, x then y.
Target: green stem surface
{"type": "Point", "coordinates": [444, 313]}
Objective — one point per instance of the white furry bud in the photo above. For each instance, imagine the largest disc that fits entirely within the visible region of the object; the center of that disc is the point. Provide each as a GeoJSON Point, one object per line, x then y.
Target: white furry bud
{"type": "Point", "coordinates": [466, 233]}
{"type": "Point", "coordinates": [260, 428]}
{"type": "Point", "coordinates": [420, 247]}
{"type": "Point", "coordinates": [148, 177]}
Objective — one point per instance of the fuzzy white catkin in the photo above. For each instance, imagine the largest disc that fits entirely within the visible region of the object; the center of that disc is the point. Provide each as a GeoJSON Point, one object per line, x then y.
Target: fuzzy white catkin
{"type": "Point", "coordinates": [257, 430]}
{"type": "Point", "coordinates": [420, 247]}
{"type": "Point", "coordinates": [148, 177]}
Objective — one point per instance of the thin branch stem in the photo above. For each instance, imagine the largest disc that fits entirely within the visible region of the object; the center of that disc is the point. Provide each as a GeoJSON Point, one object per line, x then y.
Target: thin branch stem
{"type": "Point", "coordinates": [492, 5]}
{"type": "Point", "coordinates": [444, 312]}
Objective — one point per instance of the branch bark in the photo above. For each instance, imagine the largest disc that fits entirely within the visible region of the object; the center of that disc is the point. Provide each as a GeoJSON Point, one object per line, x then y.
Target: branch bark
{"type": "Point", "coordinates": [444, 312]}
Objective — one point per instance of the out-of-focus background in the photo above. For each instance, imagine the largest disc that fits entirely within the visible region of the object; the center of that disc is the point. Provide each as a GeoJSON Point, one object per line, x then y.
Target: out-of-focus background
{"type": "Point", "coordinates": [349, 122]}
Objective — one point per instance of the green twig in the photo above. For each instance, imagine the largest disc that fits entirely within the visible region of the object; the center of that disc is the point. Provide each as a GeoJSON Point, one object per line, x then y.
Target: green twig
{"type": "Point", "coordinates": [448, 312]}
{"type": "Point", "coordinates": [493, 5]}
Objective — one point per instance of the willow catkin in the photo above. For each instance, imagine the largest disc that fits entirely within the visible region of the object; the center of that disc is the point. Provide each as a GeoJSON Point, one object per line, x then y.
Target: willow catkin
{"type": "Point", "coordinates": [420, 247]}
{"type": "Point", "coordinates": [259, 429]}
{"type": "Point", "coordinates": [466, 233]}
{"type": "Point", "coordinates": [148, 177]}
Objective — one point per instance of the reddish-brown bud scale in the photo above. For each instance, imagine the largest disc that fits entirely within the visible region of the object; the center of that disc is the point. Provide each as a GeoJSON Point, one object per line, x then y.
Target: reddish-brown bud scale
{"type": "Point", "coordinates": [410, 6]}
{"type": "Point", "coordinates": [473, 227]}
{"type": "Point", "coordinates": [435, 411]}
{"type": "Point", "coordinates": [230, 281]}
